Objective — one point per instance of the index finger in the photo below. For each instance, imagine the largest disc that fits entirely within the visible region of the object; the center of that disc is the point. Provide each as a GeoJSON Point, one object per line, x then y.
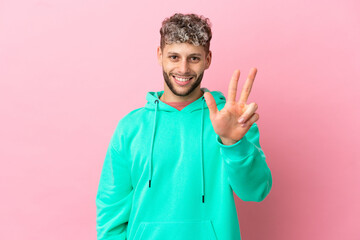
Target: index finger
{"type": "Point", "coordinates": [233, 86]}
{"type": "Point", "coordinates": [245, 92]}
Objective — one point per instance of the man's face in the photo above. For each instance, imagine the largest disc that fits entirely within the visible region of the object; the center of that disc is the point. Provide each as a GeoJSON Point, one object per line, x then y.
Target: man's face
{"type": "Point", "coordinates": [183, 67]}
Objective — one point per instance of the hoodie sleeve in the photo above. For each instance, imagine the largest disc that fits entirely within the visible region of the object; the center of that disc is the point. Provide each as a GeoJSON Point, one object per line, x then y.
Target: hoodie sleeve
{"type": "Point", "coordinates": [248, 173]}
{"type": "Point", "coordinates": [114, 196]}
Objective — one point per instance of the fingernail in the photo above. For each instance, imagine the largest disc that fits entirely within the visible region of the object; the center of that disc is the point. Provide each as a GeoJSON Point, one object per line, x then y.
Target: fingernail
{"type": "Point", "coordinates": [243, 125]}
{"type": "Point", "coordinates": [241, 120]}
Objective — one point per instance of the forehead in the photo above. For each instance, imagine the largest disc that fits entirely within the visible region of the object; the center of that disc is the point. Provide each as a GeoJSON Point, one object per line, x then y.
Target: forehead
{"type": "Point", "coordinates": [183, 49]}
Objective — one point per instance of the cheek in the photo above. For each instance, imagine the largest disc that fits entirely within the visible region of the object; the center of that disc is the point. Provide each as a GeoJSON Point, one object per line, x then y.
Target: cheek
{"type": "Point", "coordinates": [169, 67]}
{"type": "Point", "coordinates": [200, 69]}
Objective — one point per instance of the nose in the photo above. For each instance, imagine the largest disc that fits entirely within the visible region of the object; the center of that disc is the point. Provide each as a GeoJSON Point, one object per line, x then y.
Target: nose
{"type": "Point", "coordinates": [184, 67]}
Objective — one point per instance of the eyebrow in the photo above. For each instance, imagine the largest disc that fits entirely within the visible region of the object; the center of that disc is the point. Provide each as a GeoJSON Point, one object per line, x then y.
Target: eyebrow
{"type": "Point", "coordinates": [192, 54]}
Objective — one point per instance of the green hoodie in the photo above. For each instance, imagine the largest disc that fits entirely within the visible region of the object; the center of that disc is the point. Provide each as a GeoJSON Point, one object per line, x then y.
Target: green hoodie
{"type": "Point", "coordinates": [167, 175]}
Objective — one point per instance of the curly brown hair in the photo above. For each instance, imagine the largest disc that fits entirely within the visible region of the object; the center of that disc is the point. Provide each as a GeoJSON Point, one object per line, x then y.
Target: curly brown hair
{"type": "Point", "coordinates": [186, 28]}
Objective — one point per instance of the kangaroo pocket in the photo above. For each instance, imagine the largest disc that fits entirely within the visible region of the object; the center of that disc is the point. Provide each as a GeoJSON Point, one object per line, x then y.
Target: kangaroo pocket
{"type": "Point", "coordinates": [199, 230]}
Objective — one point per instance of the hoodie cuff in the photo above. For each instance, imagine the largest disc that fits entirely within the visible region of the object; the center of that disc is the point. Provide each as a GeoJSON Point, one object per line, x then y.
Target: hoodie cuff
{"type": "Point", "coordinates": [238, 150]}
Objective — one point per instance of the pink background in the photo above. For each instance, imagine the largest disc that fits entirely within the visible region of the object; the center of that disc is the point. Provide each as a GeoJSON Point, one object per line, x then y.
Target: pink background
{"type": "Point", "coordinates": [70, 70]}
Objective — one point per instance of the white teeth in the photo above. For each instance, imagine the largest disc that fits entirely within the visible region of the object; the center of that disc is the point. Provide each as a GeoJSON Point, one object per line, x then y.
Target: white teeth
{"type": "Point", "coordinates": [182, 79]}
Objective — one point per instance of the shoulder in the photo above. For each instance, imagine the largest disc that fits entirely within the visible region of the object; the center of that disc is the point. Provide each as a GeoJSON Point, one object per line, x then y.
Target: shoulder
{"type": "Point", "coordinates": [132, 116]}
{"type": "Point", "coordinates": [131, 119]}
{"type": "Point", "coordinates": [128, 124]}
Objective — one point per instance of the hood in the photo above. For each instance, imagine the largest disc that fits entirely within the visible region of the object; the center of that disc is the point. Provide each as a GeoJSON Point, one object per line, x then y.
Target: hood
{"type": "Point", "coordinates": [154, 104]}
{"type": "Point", "coordinates": [151, 98]}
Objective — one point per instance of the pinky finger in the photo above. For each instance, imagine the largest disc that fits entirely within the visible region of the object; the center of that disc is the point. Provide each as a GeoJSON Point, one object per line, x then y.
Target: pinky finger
{"type": "Point", "coordinates": [251, 120]}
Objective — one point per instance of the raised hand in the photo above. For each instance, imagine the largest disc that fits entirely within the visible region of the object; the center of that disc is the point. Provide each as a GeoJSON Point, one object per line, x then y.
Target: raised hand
{"type": "Point", "coordinates": [236, 118]}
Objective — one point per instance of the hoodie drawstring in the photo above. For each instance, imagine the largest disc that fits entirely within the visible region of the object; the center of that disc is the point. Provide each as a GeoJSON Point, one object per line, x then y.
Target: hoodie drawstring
{"type": "Point", "coordinates": [152, 143]}
{"type": "Point", "coordinates": [201, 147]}
{"type": "Point", "coordinates": [202, 151]}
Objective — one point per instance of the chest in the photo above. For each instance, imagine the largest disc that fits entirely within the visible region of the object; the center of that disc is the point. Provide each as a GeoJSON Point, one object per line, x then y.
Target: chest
{"type": "Point", "coordinates": [176, 145]}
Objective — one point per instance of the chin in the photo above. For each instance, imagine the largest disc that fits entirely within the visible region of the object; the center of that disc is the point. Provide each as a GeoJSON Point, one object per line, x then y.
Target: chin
{"type": "Point", "coordinates": [182, 91]}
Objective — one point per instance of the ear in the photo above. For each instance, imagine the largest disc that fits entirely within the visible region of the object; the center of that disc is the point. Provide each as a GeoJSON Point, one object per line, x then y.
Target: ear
{"type": "Point", "coordinates": [159, 55]}
{"type": "Point", "coordinates": [208, 60]}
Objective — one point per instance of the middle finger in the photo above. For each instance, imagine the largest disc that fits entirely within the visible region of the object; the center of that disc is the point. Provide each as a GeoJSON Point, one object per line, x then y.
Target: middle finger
{"type": "Point", "coordinates": [247, 86]}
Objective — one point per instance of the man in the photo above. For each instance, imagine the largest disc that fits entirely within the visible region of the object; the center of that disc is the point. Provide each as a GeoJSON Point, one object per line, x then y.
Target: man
{"type": "Point", "coordinates": [172, 166]}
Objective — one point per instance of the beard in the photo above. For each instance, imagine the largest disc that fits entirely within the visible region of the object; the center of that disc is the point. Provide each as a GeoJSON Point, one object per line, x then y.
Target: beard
{"type": "Point", "coordinates": [190, 90]}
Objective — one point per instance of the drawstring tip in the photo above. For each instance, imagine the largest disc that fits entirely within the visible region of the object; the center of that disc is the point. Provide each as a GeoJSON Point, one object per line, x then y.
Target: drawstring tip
{"type": "Point", "coordinates": [149, 183]}
{"type": "Point", "coordinates": [203, 198]}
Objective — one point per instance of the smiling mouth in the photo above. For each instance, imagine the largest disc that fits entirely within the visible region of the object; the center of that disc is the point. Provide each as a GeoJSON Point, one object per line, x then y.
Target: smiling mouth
{"type": "Point", "coordinates": [182, 81]}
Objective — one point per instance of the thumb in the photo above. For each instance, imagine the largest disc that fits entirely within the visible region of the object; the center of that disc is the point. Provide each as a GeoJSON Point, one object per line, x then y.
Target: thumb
{"type": "Point", "coordinates": [210, 102]}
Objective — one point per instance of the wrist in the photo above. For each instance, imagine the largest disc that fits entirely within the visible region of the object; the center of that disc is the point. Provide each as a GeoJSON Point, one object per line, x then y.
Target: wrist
{"type": "Point", "coordinates": [228, 141]}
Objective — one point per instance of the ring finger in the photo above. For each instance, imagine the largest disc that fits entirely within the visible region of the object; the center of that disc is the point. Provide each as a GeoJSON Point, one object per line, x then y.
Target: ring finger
{"type": "Point", "coordinates": [250, 110]}
{"type": "Point", "coordinates": [250, 122]}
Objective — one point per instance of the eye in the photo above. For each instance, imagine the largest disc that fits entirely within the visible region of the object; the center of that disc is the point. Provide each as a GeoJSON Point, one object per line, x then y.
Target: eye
{"type": "Point", "coordinates": [195, 59]}
{"type": "Point", "coordinates": [173, 57]}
